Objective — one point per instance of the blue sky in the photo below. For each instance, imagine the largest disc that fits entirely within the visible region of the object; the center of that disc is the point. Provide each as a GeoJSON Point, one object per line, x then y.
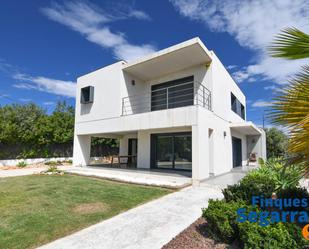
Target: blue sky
{"type": "Point", "coordinates": [46, 45]}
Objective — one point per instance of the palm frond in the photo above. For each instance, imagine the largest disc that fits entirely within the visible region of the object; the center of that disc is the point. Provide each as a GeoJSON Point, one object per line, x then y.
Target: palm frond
{"type": "Point", "coordinates": [290, 44]}
{"type": "Point", "coordinates": [291, 109]}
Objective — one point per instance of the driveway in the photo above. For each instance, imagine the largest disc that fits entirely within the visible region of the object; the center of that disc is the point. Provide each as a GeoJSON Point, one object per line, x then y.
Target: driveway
{"type": "Point", "coordinates": [151, 225]}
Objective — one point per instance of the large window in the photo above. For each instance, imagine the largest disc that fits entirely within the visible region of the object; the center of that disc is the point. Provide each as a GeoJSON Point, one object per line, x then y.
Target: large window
{"type": "Point", "coordinates": [172, 94]}
{"type": "Point", "coordinates": [171, 151]}
{"type": "Point", "coordinates": [237, 107]}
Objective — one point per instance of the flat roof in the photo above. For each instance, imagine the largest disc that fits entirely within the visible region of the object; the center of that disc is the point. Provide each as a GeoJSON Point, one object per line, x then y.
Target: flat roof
{"type": "Point", "coordinates": [172, 59]}
{"type": "Point", "coordinates": [247, 128]}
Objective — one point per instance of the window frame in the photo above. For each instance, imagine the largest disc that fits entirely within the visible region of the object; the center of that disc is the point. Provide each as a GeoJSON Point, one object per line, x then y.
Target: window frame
{"type": "Point", "coordinates": [237, 107]}
{"type": "Point", "coordinates": [90, 90]}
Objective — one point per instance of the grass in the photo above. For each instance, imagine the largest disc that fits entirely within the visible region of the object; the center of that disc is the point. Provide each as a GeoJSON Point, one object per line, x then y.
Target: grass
{"type": "Point", "coordinates": [38, 209]}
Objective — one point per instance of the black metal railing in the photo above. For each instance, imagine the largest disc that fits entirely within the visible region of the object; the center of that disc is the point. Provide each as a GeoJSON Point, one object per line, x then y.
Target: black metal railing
{"type": "Point", "coordinates": [180, 95]}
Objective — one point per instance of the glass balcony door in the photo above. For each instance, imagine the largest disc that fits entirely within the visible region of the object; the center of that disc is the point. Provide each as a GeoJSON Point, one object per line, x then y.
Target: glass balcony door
{"type": "Point", "coordinates": [172, 94]}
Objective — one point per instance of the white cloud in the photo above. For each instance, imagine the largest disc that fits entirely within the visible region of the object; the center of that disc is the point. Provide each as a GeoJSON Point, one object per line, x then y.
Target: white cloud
{"type": "Point", "coordinates": [273, 88]}
{"type": "Point", "coordinates": [43, 84]}
{"type": "Point", "coordinates": [48, 103]}
{"type": "Point", "coordinates": [231, 67]}
{"type": "Point", "coordinates": [240, 75]}
{"type": "Point", "coordinates": [24, 100]}
{"type": "Point", "coordinates": [253, 24]}
{"type": "Point", "coordinates": [3, 95]}
{"type": "Point", "coordinates": [261, 103]}
{"type": "Point", "coordinates": [91, 22]}
{"type": "Point", "coordinates": [139, 14]}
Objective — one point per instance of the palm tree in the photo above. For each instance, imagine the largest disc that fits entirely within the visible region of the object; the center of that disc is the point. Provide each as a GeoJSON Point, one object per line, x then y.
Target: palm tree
{"type": "Point", "coordinates": [291, 107]}
{"type": "Point", "coordinates": [290, 44]}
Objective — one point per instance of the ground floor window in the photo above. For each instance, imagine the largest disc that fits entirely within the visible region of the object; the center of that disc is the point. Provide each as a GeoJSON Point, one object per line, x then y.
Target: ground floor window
{"type": "Point", "coordinates": [171, 151]}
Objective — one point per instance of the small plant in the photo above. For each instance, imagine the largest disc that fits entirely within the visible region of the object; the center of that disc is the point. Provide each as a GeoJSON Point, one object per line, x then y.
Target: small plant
{"type": "Point", "coordinates": [52, 163]}
{"type": "Point", "coordinates": [284, 176]}
{"type": "Point", "coordinates": [22, 164]}
{"type": "Point", "coordinates": [52, 169]}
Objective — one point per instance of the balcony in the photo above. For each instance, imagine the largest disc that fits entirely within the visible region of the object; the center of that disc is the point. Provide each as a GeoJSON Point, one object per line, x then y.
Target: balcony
{"type": "Point", "coordinates": [162, 98]}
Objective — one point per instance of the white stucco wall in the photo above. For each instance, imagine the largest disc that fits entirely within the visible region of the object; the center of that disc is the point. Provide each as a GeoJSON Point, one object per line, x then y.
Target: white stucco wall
{"type": "Point", "coordinates": [107, 83]}
{"type": "Point", "coordinates": [222, 145]}
{"type": "Point", "coordinates": [223, 85]}
{"type": "Point", "coordinates": [124, 143]}
{"type": "Point", "coordinates": [256, 144]}
{"type": "Point", "coordinates": [177, 117]}
{"type": "Point", "coordinates": [81, 150]}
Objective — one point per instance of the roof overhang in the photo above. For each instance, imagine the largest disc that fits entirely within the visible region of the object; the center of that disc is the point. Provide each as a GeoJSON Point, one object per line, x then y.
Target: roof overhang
{"type": "Point", "coordinates": [247, 128]}
{"type": "Point", "coordinates": [184, 55]}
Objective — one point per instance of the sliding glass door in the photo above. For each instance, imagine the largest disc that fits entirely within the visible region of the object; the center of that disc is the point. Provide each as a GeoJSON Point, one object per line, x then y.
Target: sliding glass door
{"type": "Point", "coordinates": [182, 152]}
{"type": "Point", "coordinates": [171, 151]}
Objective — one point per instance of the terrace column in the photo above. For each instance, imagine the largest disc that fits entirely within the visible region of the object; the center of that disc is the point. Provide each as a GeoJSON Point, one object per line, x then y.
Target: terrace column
{"type": "Point", "coordinates": [81, 150]}
{"type": "Point", "coordinates": [200, 153]}
{"type": "Point", "coordinates": [143, 149]}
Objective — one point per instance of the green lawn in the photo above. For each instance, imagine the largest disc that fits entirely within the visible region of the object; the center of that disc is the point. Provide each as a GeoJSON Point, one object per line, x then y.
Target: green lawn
{"type": "Point", "coordinates": [37, 209]}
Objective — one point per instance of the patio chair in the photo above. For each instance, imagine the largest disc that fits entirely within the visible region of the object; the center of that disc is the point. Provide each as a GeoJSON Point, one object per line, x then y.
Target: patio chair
{"type": "Point", "coordinates": [252, 158]}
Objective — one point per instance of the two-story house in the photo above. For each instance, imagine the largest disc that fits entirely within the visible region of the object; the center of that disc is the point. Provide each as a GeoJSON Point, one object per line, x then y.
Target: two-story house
{"type": "Point", "coordinates": [177, 109]}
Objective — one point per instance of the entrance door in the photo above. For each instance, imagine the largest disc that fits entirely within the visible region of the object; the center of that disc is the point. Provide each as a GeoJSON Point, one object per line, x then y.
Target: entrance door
{"type": "Point", "coordinates": [132, 150]}
{"type": "Point", "coordinates": [237, 152]}
{"type": "Point", "coordinates": [171, 151]}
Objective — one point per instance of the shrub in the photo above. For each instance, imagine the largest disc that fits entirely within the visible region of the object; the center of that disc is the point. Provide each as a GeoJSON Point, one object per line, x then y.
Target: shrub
{"type": "Point", "coordinates": [254, 184]}
{"type": "Point", "coordinates": [271, 177]}
{"type": "Point", "coordinates": [22, 164]}
{"type": "Point", "coordinates": [221, 218]}
{"type": "Point", "coordinates": [296, 232]}
{"type": "Point", "coordinates": [291, 193]}
{"type": "Point", "coordinates": [274, 236]}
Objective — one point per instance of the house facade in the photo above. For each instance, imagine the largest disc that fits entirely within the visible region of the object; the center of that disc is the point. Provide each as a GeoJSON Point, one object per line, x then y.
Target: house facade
{"type": "Point", "coordinates": [176, 109]}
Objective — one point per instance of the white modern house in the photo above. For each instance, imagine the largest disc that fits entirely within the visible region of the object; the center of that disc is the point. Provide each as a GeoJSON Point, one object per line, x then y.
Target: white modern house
{"type": "Point", "coordinates": [175, 109]}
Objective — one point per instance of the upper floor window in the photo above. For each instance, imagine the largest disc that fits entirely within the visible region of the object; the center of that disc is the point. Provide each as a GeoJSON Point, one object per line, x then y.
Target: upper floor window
{"type": "Point", "coordinates": [172, 94]}
{"type": "Point", "coordinates": [237, 107]}
{"type": "Point", "coordinates": [86, 95]}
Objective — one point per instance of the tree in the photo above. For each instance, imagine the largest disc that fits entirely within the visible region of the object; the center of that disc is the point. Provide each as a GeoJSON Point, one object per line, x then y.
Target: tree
{"type": "Point", "coordinates": [27, 131]}
{"type": "Point", "coordinates": [62, 122]}
{"type": "Point", "coordinates": [291, 107]}
{"type": "Point", "coordinates": [17, 123]}
{"type": "Point", "coordinates": [276, 143]}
